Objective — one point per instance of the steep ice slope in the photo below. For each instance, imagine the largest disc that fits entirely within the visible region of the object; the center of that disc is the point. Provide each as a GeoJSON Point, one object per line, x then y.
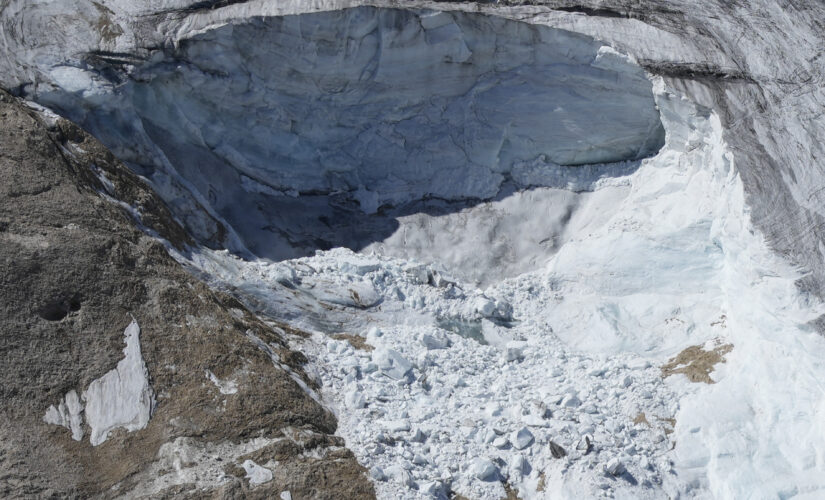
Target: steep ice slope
{"type": "Point", "coordinates": [365, 106]}
{"type": "Point", "coordinates": [756, 63]}
{"type": "Point", "coordinates": [391, 102]}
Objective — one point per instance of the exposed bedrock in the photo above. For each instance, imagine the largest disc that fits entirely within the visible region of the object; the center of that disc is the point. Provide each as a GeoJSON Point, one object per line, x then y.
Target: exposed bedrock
{"type": "Point", "coordinates": [82, 417]}
{"type": "Point", "coordinates": [331, 116]}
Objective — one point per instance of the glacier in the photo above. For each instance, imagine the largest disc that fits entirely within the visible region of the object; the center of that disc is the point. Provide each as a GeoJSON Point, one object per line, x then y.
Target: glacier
{"type": "Point", "coordinates": [278, 122]}
{"type": "Point", "coordinates": [524, 211]}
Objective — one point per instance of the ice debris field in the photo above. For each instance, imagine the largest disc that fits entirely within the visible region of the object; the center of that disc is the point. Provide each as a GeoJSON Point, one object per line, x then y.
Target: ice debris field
{"type": "Point", "coordinates": [661, 351]}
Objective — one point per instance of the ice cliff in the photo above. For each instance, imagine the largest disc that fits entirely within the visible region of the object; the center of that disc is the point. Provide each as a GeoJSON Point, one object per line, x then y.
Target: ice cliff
{"type": "Point", "coordinates": [377, 106]}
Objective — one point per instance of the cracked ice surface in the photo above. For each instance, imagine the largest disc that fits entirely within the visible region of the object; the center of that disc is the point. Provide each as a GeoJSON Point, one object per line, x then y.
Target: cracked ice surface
{"type": "Point", "coordinates": [381, 106]}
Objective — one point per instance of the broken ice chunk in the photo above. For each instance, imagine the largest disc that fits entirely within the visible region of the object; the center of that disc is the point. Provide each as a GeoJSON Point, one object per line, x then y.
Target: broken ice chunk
{"type": "Point", "coordinates": [522, 438]}
{"type": "Point", "coordinates": [483, 469]}
{"type": "Point", "coordinates": [391, 363]}
{"type": "Point", "coordinates": [355, 399]}
{"type": "Point", "coordinates": [398, 425]}
{"type": "Point", "coordinates": [432, 488]}
{"type": "Point", "coordinates": [519, 465]}
{"type": "Point", "coordinates": [435, 340]}
{"type": "Point", "coordinates": [571, 401]}
{"type": "Point", "coordinates": [501, 442]}
{"type": "Point", "coordinates": [377, 473]}
{"type": "Point", "coordinates": [400, 475]}
{"type": "Point", "coordinates": [418, 437]}
{"type": "Point", "coordinates": [515, 350]}
{"type": "Point", "coordinates": [358, 265]}
{"type": "Point", "coordinates": [255, 473]}
{"type": "Point", "coordinates": [614, 467]}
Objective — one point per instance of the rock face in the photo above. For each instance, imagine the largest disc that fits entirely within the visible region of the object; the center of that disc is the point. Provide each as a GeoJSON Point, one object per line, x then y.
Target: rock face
{"type": "Point", "coordinates": [73, 272]}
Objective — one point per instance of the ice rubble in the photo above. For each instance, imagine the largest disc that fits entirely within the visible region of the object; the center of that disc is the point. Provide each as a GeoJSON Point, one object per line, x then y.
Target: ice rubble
{"type": "Point", "coordinates": [660, 259]}
{"type": "Point", "coordinates": [120, 398]}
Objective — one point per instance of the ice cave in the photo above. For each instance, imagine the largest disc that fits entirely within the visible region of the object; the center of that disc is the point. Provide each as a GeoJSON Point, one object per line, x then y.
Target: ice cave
{"type": "Point", "coordinates": [320, 130]}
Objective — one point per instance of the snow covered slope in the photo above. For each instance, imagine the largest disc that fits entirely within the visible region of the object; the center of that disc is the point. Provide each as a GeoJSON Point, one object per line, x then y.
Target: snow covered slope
{"type": "Point", "coordinates": [596, 282]}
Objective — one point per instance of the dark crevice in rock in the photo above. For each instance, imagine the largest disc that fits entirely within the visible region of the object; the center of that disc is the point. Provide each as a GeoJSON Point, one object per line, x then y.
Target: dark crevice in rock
{"type": "Point", "coordinates": [33, 192]}
{"type": "Point", "coordinates": [595, 12]}
{"type": "Point", "coordinates": [60, 307]}
{"type": "Point", "coordinates": [696, 71]}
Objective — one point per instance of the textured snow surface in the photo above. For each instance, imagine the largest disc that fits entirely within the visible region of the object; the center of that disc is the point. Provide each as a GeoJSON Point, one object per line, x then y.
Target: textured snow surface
{"type": "Point", "coordinates": [120, 398]}
{"type": "Point", "coordinates": [550, 382]}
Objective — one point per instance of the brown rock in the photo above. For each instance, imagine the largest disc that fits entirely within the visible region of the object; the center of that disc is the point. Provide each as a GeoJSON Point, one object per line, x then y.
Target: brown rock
{"type": "Point", "coordinates": [73, 270]}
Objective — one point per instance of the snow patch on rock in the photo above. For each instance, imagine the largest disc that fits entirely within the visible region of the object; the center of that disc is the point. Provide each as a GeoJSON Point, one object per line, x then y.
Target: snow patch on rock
{"type": "Point", "coordinates": [68, 413]}
{"type": "Point", "coordinates": [224, 386]}
{"type": "Point", "coordinates": [120, 398]}
{"type": "Point", "coordinates": [255, 473]}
